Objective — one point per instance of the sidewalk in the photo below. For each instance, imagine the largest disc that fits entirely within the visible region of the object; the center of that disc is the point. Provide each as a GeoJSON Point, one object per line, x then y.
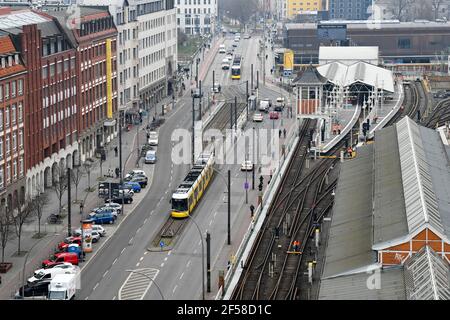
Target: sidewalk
{"type": "Point", "coordinates": [57, 232]}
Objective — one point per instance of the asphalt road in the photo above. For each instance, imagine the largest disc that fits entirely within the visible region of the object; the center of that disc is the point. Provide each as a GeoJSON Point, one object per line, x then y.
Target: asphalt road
{"type": "Point", "coordinates": [179, 270]}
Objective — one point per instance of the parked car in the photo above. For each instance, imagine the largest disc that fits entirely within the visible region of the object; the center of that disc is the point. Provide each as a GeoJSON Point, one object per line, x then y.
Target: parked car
{"type": "Point", "coordinates": [153, 138]}
{"type": "Point", "coordinates": [38, 289]}
{"type": "Point", "coordinates": [222, 48]}
{"type": "Point", "coordinates": [258, 117]}
{"type": "Point", "coordinates": [142, 180]}
{"type": "Point", "coordinates": [150, 157]}
{"type": "Point", "coordinates": [225, 64]}
{"type": "Point", "coordinates": [103, 210]}
{"type": "Point", "coordinates": [247, 165]}
{"type": "Point", "coordinates": [116, 206]}
{"type": "Point", "coordinates": [120, 199]}
{"type": "Point", "coordinates": [103, 218]}
{"type": "Point", "coordinates": [62, 246]}
{"type": "Point", "coordinates": [95, 236]}
{"type": "Point", "coordinates": [135, 172]}
{"type": "Point", "coordinates": [134, 186]}
{"type": "Point", "coordinates": [95, 227]}
{"type": "Point", "coordinates": [196, 93]}
{"type": "Point", "coordinates": [274, 115]}
{"type": "Point", "coordinates": [75, 248]}
{"type": "Point", "coordinates": [247, 36]}
{"type": "Point", "coordinates": [43, 274]}
{"type": "Point", "coordinates": [124, 190]}
{"type": "Point", "coordinates": [216, 88]}
{"type": "Point", "coordinates": [60, 257]}
{"type": "Point", "coordinates": [278, 108]}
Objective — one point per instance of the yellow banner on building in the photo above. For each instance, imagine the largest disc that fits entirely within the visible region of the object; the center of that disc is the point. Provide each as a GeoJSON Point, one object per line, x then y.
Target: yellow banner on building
{"type": "Point", "coordinates": [289, 60]}
{"type": "Point", "coordinates": [109, 107]}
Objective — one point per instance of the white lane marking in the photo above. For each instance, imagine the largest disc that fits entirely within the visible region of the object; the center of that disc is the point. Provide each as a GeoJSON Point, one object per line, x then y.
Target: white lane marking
{"type": "Point", "coordinates": [215, 214]}
{"type": "Point", "coordinates": [210, 222]}
{"type": "Point", "coordinates": [86, 298]}
{"type": "Point", "coordinates": [106, 272]}
{"type": "Point", "coordinates": [142, 258]}
{"type": "Point", "coordinates": [137, 285]}
{"type": "Point", "coordinates": [145, 221]}
{"type": "Point", "coordinates": [188, 264]}
{"type": "Point", "coordinates": [114, 298]}
{"type": "Point", "coordinates": [131, 240]}
{"type": "Point", "coordinates": [137, 231]}
{"type": "Point", "coordinates": [169, 253]}
{"type": "Point", "coordinates": [181, 277]}
{"type": "Point", "coordinates": [162, 264]}
{"type": "Point", "coordinates": [195, 251]}
{"type": "Point", "coordinates": [138, 264]}
{"type": "Point", "coordinates": [145, 253]}
{"type": "Point", "coordinates": [165, 259]}
{"type": "Point", "coordinates": [199, 242]}
{"type": "Point", "coordinates": [114, 262]}
{"type": "Point", "coordinates": [122, 250]}
{"type": "Point", "coordinates": [95, 286]}
{"type": "Point", "coordinates": [175, 288]}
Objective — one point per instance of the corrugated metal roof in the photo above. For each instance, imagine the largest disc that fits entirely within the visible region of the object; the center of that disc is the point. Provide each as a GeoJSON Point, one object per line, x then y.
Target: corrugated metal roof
{"type": "Point", "coordinates": [19, 19]}
{"type": "Point", "coordinates": [420, 199]}
{"type": "Point", "coordinates": [346, 75]}
{"type": "Point", "coordinates": [389, 213]}
{"type": "Point", "coordinates": [309, 76]}
{"type": "Point", "coordinates": [363, 25]}
{"type": "Point", "coordinates": [356, 286]}
{"type": "Point", "coordinates": [439, 169]}
{"type": "Point", "coordinates": [427, 276]}
{"type": "Point", "coordinates": [367, 54]}
{"type": "Point", "coordinates": [350, 238]}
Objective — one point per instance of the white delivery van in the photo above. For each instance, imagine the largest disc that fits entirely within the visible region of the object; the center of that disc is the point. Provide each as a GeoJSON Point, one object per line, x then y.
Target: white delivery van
{"type": "Point", "coordinates": [264, 105]}
{"type": "Point", "coordinates": [63, 287]}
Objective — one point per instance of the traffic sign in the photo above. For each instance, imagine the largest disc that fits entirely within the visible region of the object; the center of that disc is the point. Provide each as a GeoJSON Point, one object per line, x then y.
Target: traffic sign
{"type": "Point", "coordinates": [246, 186]}
{"type": "Point", "coordinates": [161, 244]}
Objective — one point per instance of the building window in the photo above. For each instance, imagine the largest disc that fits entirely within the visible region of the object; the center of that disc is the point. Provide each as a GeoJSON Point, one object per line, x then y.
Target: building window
{"type": "Point", "coordinates": [20, 112]}
{"type": "Point", "coordinates": [7, 117]}
{"type": "Point", "coordinates": [20, 139]}
{"type": "Point", "coordinates": [14, 141]}
{"type": "Point", "coordinates": [8, 173]}
{"type": "Point", "coordinates": [6, 91]}
{"type": "Point", "coordinates": [1, 148]}
{"type": "Point", "coordinates": [8, 145]}
{"type": "Point", "coordinates": [20, 87]}
{"type": "Point", "coordinates": [13, 89]}
{"type": "Point", "coordinates": [14, 169]}
{"type": "Point", "coordinates": [21, 167]}
{"type": "Point", "coordinates": [404, 43]}
{"type": "Point", "coordinates": [1, 119]}
{"type": "Point", "coordinates": [1, 178]}
{"type": "Point", "coordinates": [13, 114]}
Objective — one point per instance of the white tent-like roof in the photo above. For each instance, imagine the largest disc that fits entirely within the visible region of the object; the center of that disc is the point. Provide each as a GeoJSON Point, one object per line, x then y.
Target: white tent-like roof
{"type": "Point", "coordinates": [362, 72]}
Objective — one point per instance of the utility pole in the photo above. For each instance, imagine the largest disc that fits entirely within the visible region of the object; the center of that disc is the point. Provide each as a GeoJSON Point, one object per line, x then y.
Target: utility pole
{"type": "Point", "coordinates": [229, 206]}
{"type": "Point", "coordinates": [246, 88]}
{"type": "Point", "coordinates": [254, 162]}
{"type": "Point", "coordinates": [120, 146]}
{"type": "Point", "coordinates": [251, 77]}
{"type": "Point", "coordinates": [208, 262]}
{"type": "Point", "coordinates": [69, 205]}
{"type": "Point", "coordinates": [193, 130]}
{"type": "Point", "coordinates": [235, 113]}
{"type": "Point", "coordinates": [196, 72]}
{"type": "Point", "coordinates": [231, 116]}
{"type": "Point", "coordinates": [200, 101]}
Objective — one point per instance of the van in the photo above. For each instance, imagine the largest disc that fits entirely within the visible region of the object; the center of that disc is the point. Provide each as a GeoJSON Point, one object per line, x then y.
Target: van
{"type": "Point", "coordinates": [150, 157]}
{"type": "Point", "coordinates": [43, 274]}
{"type": "Point", "coordinates": [222, 48]}
{"type": "Point", "coordinates": [61, 257]}
{"type": "Point", "coordinates": [264, 105]}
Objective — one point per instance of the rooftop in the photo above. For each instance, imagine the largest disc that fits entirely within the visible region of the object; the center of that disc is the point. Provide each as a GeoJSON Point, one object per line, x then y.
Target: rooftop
{"type": "Point", "coordinates": [364, 25]}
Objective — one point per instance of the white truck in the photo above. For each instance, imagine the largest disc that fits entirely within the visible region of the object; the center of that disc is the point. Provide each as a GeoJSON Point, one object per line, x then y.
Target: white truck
{"type": "Point", "coordinates": [264, 105]}
{"type": "Point", "coordinates": [63, 287]}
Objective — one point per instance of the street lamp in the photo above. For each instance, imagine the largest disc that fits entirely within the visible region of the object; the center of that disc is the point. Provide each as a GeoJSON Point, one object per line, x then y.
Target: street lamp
{"type": "Point", "coordinates": [150, 278]}
{"type": "Point", "coordinates": [203, 256]}
{"type": "Point", "coordinates": [26, 258]}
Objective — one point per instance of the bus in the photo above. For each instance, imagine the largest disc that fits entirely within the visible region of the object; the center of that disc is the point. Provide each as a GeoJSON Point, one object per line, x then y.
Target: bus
{"type": "Point", "coordinates": [236, 67]}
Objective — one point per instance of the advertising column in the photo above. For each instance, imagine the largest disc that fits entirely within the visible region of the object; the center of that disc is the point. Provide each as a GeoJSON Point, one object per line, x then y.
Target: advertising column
{"type": "Point", "coordinates": [86, 232]}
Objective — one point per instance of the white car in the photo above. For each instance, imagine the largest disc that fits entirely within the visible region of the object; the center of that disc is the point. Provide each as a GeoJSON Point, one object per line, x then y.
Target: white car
{"type": "Point", "coordinates": [258, 117]}
{"type": "Point", "coordinates": [42, 274]}
{"type": "Point", "coordinates": [225, 64]}
{"type": "Point", "coordinates": [153, 138]}
{"type": "Point", "coordinates": [247, 165]}
{"type": "Point", "coordinates": [135, 172]}
{"type": "Point", "coordinates": [222, 48]}
{"type": "Point", "coordinates": [95, 236]}
{"type": "Point", "coordinates": [113, 205]}
{"type": "Point", "coordinates": [247, 36]}
{"type": "Point", "coordinates": [95, 227]}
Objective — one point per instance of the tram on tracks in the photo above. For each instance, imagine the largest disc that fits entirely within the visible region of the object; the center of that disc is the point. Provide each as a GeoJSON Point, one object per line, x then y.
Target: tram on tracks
{"type": "Point", "coordinates": [236, 68]}
{"type": "Point", "coordinates": [190, 191]}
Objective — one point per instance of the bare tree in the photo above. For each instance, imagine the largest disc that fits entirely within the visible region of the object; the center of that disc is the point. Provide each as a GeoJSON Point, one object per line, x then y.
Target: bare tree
{"type": "Point", "coordinates": [60, 185]}
{"type": "Point", "coordinates": [88, 168]}
{"type": "Point", "coordinates": [23, 213]}
{"type": "Point", "coordinates": [5, 229]}
{"type": "Point", "coordinates": [435, 4]}
{"type": "Point", "coordinates": [77, 174]}
{"type": "Point", "coordinates": [37, 204]}
{"type": "Point", "coordinates": [240, 10]}
{"type": "Point", "coordinates": [399, 8]}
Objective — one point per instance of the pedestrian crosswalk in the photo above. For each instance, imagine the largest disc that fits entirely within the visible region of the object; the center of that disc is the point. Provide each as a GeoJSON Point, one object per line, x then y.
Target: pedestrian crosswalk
{"type": "Point", "coordinates": [137, 284]}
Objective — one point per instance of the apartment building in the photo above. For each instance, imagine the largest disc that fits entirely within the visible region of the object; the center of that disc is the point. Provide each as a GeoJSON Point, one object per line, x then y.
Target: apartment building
{"type": "Point", "coordinates": [197, 17]}
{"type": "Point", "coordinates": [12, 119]}
{"type": "Point", "coordinates": [295, 7]}
{"type": "Point", "coordinates": [349, 9]}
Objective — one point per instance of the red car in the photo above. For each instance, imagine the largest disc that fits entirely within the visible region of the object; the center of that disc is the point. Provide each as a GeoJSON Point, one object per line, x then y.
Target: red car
{"type": "Point", "coordinates": [61, 257]}
{"type": "Point", "coordinates": [63, 245]}
{"type": "Point", "coordinates": [274, 115]}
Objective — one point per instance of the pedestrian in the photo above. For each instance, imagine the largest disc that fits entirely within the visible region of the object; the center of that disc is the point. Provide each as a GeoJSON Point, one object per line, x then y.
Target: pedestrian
{"type": "Point", "coordinates": [279, 133]}
{"type": "Point", "coordinates": [117, 172]}
{"type": "Point", "coordinates": [228, 265]}
{"type": "Point", "coordinates": [284, 133]}
{"type": "Point", "coordinates": [116, 151]}
{"type": "Point", "coordinates": [252, 210]}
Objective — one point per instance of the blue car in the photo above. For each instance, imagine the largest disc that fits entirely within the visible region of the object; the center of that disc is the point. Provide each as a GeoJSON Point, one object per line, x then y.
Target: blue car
{"type": "Point", "coordinates": [103, 218]}
{"type": "Point", "coordinates": [136, 187]}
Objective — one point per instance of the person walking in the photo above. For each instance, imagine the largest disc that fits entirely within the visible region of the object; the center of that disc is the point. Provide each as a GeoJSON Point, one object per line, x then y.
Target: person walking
{"type": "Point", "coordinates": [252, 210]}
{"type": "Point", "coordinates": [116, 151]}
{"type": "Point", "coordinates": [284, 133]}
{"type": "Point", "coordinates": [279, 133]}
{"type": "Point", "coordinates": [117, 172]}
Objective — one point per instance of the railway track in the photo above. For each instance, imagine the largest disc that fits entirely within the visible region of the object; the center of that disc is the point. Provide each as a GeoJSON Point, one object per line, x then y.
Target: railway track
{"type": "Point", "coordinates": [295, 210]}
{"type": "Point", "coordinates": [439, 115]}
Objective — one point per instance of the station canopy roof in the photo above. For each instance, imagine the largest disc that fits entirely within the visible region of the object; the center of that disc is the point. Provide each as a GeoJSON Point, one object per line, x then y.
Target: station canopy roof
{"type": "Point", "coordinates": [348, 55]}
{"type": "Point", "coordinates": [360, 72]}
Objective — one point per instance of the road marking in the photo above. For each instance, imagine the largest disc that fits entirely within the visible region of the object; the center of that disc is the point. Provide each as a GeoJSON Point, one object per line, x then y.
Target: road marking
{"type": "Point", "coordinates": [142, 258]}
{"type": "Point", "coordinates": [175, 288]}
{"type": "Point", "coordinates": [162, 264]}
{"type": "Point", "coordinates": [137, 285]}
{"type": "Point", "coordinates": [95, 286]}
{"type": "Point", "coordinates": [145, 253]}
{"type": "Point", "coordinates": [210, 222]}
{"type": "Point", "coordinates": [188, 264]}
{"type": "Point", "coordinates": [114, 298]}
{"type": "Point", "coordinates": [199, 242]}
{"type": "Point", "coordinates": [106, 272]}
{"type": "Point", "coordinates": [138, 264]}
{"type": "Point", "coordinates": [165, 259]}
{"type": "Point", "coordinates": [115, 260]}
{"type": "Point", "coordinates": [131, 240]}
{"type": "Point", "coordinates": [86, 298]}
{"type": "Point", "coordinates": [169, 253]}
{"type": "Point", "coordinates": [145, 221]}
{"type": "Point", "coordinates": [215, 214]}
{"type": "Point", "coordinates": [137, 231]}
{"type": "Point", "coordinates": [181, 277]}
{"type": "Point", "coordinates": [195, 251]}
{"type": "Point", "coordinates": [122, 250]}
